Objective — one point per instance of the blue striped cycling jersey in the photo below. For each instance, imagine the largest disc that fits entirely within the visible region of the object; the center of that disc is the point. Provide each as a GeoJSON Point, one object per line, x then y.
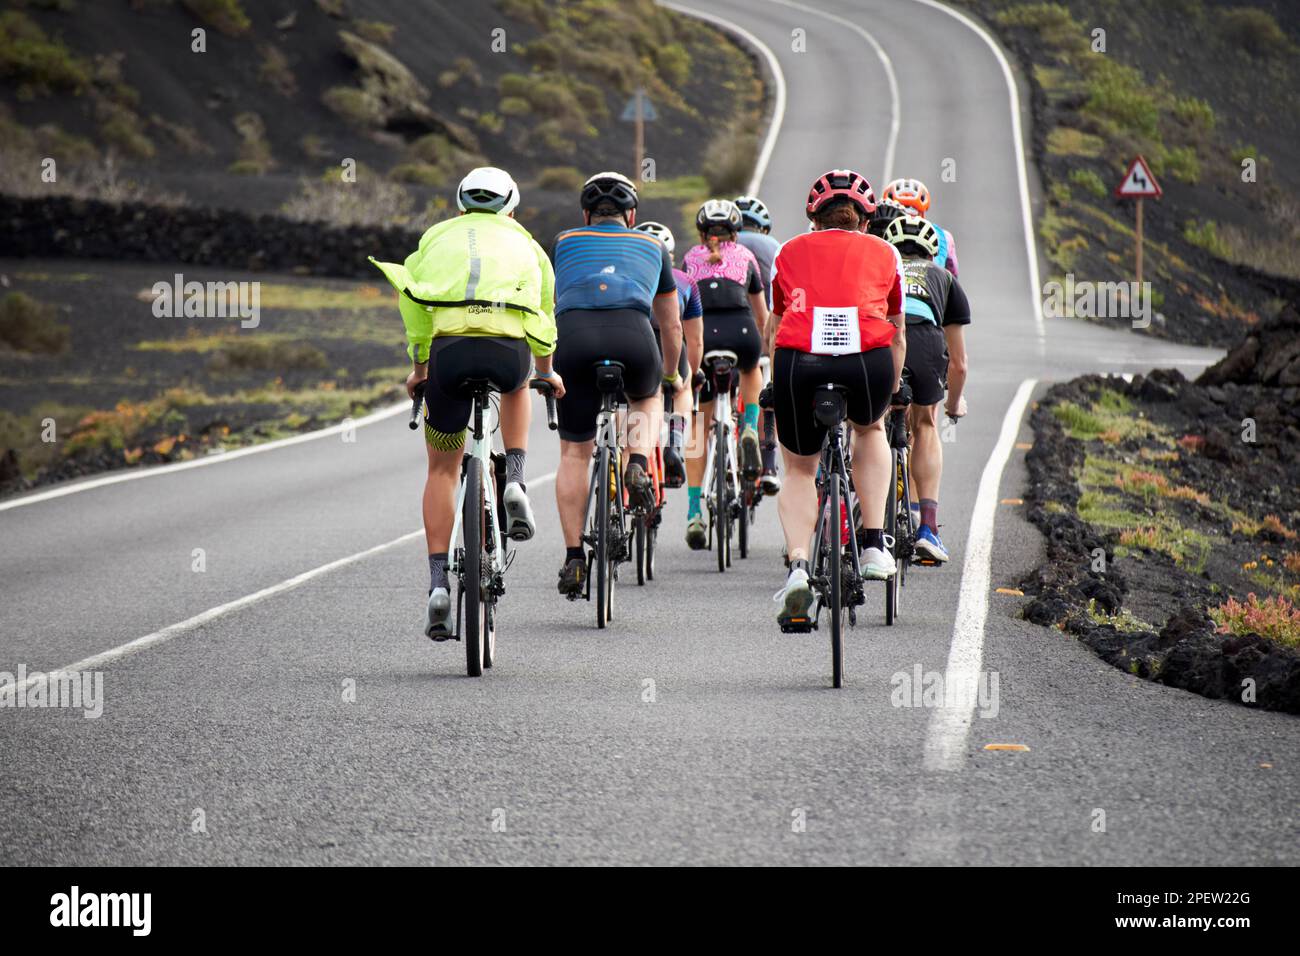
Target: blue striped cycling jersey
{"type": "Point", "coordinates": [609, 266]}
{"type": "Point", "coordinates": [688, 295]}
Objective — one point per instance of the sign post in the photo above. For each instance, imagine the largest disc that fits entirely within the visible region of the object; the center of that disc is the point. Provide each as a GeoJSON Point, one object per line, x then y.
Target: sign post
{"type": "Point", "coordinates": [1138, 183]}
{"type": "Point", "coordinates": [639, 110]}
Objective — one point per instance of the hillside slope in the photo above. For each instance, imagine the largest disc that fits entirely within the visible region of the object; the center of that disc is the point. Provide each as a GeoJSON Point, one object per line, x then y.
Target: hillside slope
{"type": "Point", "coordinates": [1198, 87]}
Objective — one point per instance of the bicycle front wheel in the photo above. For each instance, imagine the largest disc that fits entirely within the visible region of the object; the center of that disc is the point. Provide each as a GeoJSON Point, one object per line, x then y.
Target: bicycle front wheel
{"type": "Point", "coordinates": [892, 530]}
{"type": "Point", "coordinates": [471, 575]}
{"type": "Point", "coordinates": [834, 494]}
{"type": "Point", "coordinates": [602, 538]}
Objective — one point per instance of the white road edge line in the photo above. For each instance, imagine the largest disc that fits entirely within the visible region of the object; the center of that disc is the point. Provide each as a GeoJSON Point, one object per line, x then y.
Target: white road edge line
{"type": "Point", "coordinates": [73, 488]}
{"type": "Point", "coordinates": [778, 107]}
{"type": "Point", "coordinates": [221, 610]}
{"type": "Point", "coordinates": [896, 105]}
{"type": "Point", "coordinates": [1031, 247]}
{"type": "Point", "coordinates": [945, 741]}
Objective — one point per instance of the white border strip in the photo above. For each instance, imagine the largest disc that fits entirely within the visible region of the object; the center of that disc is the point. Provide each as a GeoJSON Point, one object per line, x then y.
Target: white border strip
{"type": "Point", "coordinates": [71, 488]}
{"type": "Point", "coordinates": [778, 108]}
{"type": "Point", "coordinates": [221, 610]}
{"type": "Point", "coordinates": [1031, 246]}
{"type": "Point", "coordinates": [896, 108]}
{"type": "Point", "coordinates": [945, 742]}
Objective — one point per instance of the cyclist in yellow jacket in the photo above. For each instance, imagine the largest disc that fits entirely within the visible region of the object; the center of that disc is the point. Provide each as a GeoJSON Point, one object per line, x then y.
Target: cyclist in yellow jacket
{"type": "Point", "coordinates": [477, 299]}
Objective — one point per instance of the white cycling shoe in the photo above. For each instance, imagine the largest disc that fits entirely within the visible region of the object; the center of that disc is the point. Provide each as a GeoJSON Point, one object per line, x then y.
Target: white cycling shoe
{"type": "Point", "coordinates": [878, 564]}
{"type": "Point", "coordinates": [437, 615]}
{"type": "Point", "coordinates": [795, 598]}
{"type": "Point", "coordinates": [519, 513]}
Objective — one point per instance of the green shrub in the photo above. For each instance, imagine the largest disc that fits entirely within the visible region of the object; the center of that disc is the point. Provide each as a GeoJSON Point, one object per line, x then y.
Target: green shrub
{"type": "Point", "coordinates": [491, 122]}
{"type": "Point", "coordinates": [1255, 31]}
{"type": "Point", "coordinates": [1089, 181]}
{"type": "Point", "coordinates": [561, 178]}
{"type": "Point", "coordinates": [254, 149]}
{"type": "Point", "coordinates": [1194, 112]}
{"type": "Point", "coordinates": [226, 16]}
{"type": "Point", "coordinates": [30, 326]}
{"type": "Point", "coordinates": [376, 31]}
{"type": "Point", "coordinates": [1206, 236]}
{"type": "Point", "coordinates": [514, 106]}
{"type": "Point", "coordinates": [250, 354]}
{"type": "Point", "coordinates": [674, 63]}
{"type": "Point", "coordinates": [426, 174]}
{"type": "Point", "coordinates": [350, 104]}
{"type": "Point", "coordinates": [1055, 27]}
{"type": "Point", "coordinates": [1183, 164]}
{"type": "Point", "coordinates": [121, 127]}
{"type": "Point", "coordinates": [36, 62]}
{"type": "Point", "coordinates": [275, 70]}
{"type": "Point", "coordinates": [1118, 94]}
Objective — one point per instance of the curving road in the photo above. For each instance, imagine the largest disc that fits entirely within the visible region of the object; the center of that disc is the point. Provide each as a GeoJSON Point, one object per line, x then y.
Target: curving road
{"type": "Point", "coordinates": [692, 731]}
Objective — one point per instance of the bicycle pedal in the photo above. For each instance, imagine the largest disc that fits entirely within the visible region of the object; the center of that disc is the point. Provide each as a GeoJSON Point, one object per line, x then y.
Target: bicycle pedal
{"type": "Point", "coordinates": [796, 625]}
{"type": "Point", "coordinates": [438, 637]}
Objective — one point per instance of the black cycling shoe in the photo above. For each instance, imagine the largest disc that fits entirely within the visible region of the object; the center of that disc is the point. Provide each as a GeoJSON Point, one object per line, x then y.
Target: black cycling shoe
{"type": "Point", "coordinates": [573, 578]}
{"type": "Point", "coordinates": [674, 468]}
{"type": "Point", "coordinates": [639, 491]}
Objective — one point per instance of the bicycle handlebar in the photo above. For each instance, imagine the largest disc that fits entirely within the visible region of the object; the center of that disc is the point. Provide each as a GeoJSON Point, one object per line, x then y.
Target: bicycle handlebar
{"type": "Point", "coordinates": [416, 399]}
{"type": "Point", "coordinates": [547, 390]}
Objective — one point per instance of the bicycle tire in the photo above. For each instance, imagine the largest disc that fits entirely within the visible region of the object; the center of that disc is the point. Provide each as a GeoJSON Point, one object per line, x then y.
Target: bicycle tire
{"type": "Point", "coordinates": [471, 575]}
{"type": "Point", "coordinates": [720, 504]}
{"type": "Point", "coordinates": [492, 525]}
{"type": "Point", "coordinates": [639, 525]}
{"type": "Point", "coordinates": [602, 537]}
{"type": "Point", "coordinates": [742, 524]}
{"type": "Point", "coordinates": [652, 533]}
{"type": "Point", "coordinates": [836, 583]}
{"type": "Point", "coordinates": [891, 529]}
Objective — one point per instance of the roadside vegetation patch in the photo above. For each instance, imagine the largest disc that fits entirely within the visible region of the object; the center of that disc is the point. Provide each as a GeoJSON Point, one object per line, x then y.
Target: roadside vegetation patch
{"type": "Point", "coordinates": [1171, 530]}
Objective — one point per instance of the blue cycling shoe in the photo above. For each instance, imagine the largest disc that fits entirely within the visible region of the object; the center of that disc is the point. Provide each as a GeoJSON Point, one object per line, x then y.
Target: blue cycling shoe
{"type": "Point", "coordinates": [928, 545]}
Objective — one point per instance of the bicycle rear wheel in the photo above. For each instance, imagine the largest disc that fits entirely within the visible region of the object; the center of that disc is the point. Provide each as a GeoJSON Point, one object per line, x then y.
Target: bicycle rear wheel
{"type": "Point", "coordinates": [601, 504]}
{"type": "Point", "coordinates": [892, 529]}
{"type": "Point", "coordinates": [471, 575]}
{"type": "Point", "coordinates": [836, 581]}
{"type": "Point", "coordinates": [639, 532]}
{"type": "Point", "coordinates": [721, 507]}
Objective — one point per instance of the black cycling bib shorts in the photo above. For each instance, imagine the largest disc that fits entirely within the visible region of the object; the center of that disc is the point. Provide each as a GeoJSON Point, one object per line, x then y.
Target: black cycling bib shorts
{"type": "Point", "coordinates": [796, 376]}
{"type": "Point", "coordinates": [455, 359]}
{"type": "Point", "coordinates": [588, 336]}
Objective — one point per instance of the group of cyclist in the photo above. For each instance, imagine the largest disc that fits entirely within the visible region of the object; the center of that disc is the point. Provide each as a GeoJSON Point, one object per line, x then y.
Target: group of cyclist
{"type": "Point", "coordinates": [868, 292]}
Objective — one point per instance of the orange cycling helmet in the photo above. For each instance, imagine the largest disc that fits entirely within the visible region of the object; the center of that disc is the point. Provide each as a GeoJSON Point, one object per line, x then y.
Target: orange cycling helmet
{"type": "Point", "coordinates": [911, 193]}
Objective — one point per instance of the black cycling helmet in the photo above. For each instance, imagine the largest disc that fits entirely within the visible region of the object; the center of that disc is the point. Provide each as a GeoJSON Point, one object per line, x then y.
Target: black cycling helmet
{"type": "Point", "coordinates": [609, 187]}
{"type": "Point", "coordinates": [887, 210]}
{"type": "Point", "coordinates": [718, 212]}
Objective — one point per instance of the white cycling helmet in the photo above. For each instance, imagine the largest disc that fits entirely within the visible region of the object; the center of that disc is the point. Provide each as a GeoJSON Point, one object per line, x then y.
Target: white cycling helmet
{"type": "Point", "coordinates": [659, 231]}
{"type": "Point", "coordinates": [489, 189]}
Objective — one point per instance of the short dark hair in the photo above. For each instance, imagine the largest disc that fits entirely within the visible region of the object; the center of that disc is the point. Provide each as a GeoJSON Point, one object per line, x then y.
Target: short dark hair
{"type": "Point", "coordinates": [607, 209]}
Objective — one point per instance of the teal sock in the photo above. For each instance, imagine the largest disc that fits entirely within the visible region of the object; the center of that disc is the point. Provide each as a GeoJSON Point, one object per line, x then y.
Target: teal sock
{"type": "Point", "coordinates": [693, 506]}
{"type": "Point", "coordinates": [751, 415]}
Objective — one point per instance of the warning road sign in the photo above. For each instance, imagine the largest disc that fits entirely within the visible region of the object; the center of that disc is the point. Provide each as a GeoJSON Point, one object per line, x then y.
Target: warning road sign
{"type": "Point", "coordinates": [1138, 182]}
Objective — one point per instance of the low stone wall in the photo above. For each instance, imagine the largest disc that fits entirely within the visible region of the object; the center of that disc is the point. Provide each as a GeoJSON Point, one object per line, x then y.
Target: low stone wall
{"type": "Point", "coordinates": [90, 229]}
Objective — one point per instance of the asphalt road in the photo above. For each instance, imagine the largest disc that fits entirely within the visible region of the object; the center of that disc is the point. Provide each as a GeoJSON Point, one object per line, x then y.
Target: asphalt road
{"type": "Point", "coordinates": [738, 751]}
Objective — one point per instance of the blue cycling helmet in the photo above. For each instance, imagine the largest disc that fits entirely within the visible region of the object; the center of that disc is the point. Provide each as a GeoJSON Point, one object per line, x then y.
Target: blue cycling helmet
{"type": "Point", "coordinates": [753, 212]}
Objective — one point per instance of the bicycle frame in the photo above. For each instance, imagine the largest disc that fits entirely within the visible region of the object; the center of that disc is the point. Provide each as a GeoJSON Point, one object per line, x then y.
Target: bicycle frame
{"type": "Point", "coordinates": [722, 416]}
{"type": "Point", "coordinates": [479, 446]}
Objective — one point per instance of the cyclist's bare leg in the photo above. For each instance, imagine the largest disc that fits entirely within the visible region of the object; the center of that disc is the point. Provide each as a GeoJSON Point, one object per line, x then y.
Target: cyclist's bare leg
{"type": "Point", "coordinates": [440, 496]}
{"type": "Point", "coordinates": [644, 419]}
{"type": "Point", "coordinates": [571, 485]}
{"type": "Point", "coordinates": [927, 451]}
{"type": "Point", "coordinates": [751, 383]}
{"type": "Point", "coordinates": [871, 462]}
{"type": "Point", "coordinates": [699, 446]}
{"type": "Point", "coordinates": [797, 502]}
{"type": "Point", "coordinates": [516, 416]}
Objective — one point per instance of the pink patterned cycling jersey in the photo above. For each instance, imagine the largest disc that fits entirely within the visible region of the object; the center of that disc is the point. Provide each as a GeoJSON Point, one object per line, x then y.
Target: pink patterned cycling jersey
{"type": "Point", "coordinates": [735, 264]}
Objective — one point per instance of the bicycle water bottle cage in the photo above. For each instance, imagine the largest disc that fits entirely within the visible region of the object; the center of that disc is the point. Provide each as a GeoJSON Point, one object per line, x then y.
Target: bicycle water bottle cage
{"type": "Point", "coordinates": [609, 377]}
{"type": "Point", "coordinates": [830, 405]}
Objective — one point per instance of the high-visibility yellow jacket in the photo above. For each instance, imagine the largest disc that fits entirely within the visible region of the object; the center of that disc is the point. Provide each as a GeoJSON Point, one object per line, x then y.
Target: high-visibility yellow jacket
{"type": "Point", "coordinates": [476, 274]}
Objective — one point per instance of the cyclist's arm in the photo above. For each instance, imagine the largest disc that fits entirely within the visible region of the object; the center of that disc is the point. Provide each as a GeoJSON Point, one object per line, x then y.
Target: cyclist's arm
{"type": "Point", "coordinates": [956, 316]}
{"type": "Point", "coordinates": [693, 330]}
{"type": "Point", "coordinates": [895, 316]}
{"type": "Point", "coordinates": [757, 298]}
{"type": "Point", "coordinates": [668, 315]}
{"type": "Point", "coordinates": [545, 307]}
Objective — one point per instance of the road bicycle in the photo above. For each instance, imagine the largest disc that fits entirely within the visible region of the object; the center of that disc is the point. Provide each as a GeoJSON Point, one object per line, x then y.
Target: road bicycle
{"type": "Point", "coordinates": [836, 576]}
{"type": "Point", "coordinates": [646, 523]}
{"type": "Point", "coordinates": [725, 503]}
{"type": "Point", "coordinates": [900, 525]}
{"type": "Point", "coordinates": [480, 561]}
{"type": "Point", "coordinates": [607, 534]}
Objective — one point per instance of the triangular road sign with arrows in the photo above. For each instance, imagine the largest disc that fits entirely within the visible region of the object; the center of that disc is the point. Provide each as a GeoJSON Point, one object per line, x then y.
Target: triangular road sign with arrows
{"type": "Point", "coordinates": [1138, 182]}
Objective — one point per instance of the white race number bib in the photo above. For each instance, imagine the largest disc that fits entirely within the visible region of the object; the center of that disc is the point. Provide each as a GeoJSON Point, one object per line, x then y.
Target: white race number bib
{"type": "Point", "coordinates": [835, 331]}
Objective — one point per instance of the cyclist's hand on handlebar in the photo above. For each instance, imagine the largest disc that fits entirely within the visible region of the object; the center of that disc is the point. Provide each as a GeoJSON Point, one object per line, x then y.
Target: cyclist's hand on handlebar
{"type": "Point", "coordinates": [959, 411]}
{"type": "Point", "coordinates": [415, 378]}
{"type": "Point", "coordinates": [554, 381]}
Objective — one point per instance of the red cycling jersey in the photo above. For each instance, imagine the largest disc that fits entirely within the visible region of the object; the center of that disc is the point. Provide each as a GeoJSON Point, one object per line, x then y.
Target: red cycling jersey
{"type": "Point", "coordinates": [833, 290]}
